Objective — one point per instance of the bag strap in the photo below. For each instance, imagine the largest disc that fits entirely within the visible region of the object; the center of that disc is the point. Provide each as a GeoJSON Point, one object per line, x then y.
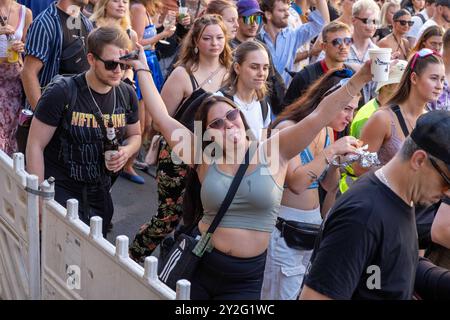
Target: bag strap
{"type": "Point", "coordinates": [401, 120]}
{"type": "Point", "coordinates": [202, 245]}
{"type": "Point", "coordinates": [264, 108]}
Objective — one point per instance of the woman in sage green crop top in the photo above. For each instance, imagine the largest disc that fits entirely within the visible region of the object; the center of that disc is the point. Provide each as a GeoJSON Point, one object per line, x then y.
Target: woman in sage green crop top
{"type": "Point", "coordinates": [222, 128]}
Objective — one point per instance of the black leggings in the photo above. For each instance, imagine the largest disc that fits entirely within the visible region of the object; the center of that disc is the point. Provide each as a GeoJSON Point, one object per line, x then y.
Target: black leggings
{"type": "Point", "coordinates": [94, 200]}
{"type": "Point", "coordinates": [432, 282]}
{"type": "Point", "coordinates": [224, 277]}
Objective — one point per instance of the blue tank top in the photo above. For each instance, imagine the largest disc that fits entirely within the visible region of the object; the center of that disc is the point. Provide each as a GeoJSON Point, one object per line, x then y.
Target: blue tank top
{"type": "Point", "coordinates": [149, 31]}
{"type": "Point", "coordinates": [306, 157]}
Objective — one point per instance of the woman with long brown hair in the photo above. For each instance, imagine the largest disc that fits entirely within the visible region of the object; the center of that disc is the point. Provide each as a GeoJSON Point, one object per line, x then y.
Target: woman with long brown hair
{"type": "Point", "coordinates": [234, 267]}
{"type": "Point", "coordinates": [204, 60]}
{"type": "Point", "coordinates": [300, 202]}
{"type": "Point", "coordinates": [431, 39]}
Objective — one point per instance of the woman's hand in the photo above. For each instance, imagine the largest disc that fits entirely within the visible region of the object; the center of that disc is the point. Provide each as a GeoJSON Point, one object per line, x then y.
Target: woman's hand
{"type": "Point", "coordinates": [364, 74]}
{"type": "Point", "coordinates": [140, 63]}
{"type": "Point", "coordinates": [343, 146]}
{"type": "Point", "coordinates": [8, 30]}
{"type": "Point", "coordinates": [18, 46]}
{"type": "Point", "coordinates": [169, 31]}
{"type": "Point", "coordinates": [186, 21]}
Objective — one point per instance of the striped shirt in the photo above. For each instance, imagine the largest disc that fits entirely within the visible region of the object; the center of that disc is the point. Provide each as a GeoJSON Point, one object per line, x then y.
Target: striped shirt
{"type": "Point", "coordinates": [45, 39]}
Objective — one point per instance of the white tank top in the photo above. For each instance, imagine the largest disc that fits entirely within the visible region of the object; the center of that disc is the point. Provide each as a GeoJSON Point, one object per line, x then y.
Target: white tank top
{"type": "Point", "coordinates": [17, 35]}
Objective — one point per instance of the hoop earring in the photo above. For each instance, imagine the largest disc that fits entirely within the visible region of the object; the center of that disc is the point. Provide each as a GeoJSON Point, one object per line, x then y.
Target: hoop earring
{"type": "Point", "coordinates": [196, 50]}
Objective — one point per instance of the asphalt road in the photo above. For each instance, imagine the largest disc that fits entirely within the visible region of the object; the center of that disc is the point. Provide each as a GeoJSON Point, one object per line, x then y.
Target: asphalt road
{"type": "Point", "coordinates": [134, 205]}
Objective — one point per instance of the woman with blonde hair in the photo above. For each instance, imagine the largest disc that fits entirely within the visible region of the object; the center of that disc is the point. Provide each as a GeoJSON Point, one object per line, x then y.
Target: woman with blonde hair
{"type": "Point", "coordinates": [203, 65]}
{"type": "Point", "coordinates": [386, 20]}
{"type": "Point", "coordinates": [228, 10]}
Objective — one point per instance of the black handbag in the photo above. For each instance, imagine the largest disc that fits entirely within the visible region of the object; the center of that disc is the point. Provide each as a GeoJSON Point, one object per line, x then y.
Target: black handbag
{"type": "Point", "coordinates": [298, 235]}
{"type": "Point", "coordinates": [184, 257]}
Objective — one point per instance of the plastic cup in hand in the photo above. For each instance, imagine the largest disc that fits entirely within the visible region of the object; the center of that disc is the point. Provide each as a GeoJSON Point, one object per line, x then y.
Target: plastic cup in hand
{"type": "Point", "coordinates": [381, 60]}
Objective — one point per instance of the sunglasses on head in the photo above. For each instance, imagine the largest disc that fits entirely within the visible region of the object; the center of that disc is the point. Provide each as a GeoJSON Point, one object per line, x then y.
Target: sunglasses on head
{"type": "Point", "coordinates": [220, 122]}
{"type": "Point", "coordinates": [111, 64]}
{"type": "Point", "coordinates": [256, 18]}
{"type": "Point", "coordinates": [404, 22]}
{"type": "Point", "coordinates": [370, 22]}
{"type": "Point", "coordinates": [440, 171]}
{"type": "Point", "coordinates": [423, 53]}
{"type": "Point", "coordinates": [340, 41]}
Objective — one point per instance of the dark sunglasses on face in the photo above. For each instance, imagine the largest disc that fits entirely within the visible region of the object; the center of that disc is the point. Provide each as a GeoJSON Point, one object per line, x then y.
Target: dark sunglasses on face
{"type": "Point", "coordinates": [111, 64]}
{"type": "Point", "coordinates": [404, 22]}
{"type": "Point", "coordinates": [340, 41]}
{"type": "Point", "coordinates": [370, 22]}
{"type": "Point", "coordinates": [439, 170]}
{"type": "Point", "coordinates": [220, 123]}
{"type": "Point", "coordinates": [252, 19]}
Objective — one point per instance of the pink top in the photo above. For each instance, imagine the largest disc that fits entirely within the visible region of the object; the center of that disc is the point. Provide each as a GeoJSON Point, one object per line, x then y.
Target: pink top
{"type": "Point", "coordinates": [390, 147]}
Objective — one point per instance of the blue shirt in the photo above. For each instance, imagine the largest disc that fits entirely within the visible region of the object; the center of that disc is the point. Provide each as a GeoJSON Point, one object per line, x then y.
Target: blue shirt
{"type": "Point", "coordinates": [289, 40]}
{"type": "Point", "coordinates": [45, 40]}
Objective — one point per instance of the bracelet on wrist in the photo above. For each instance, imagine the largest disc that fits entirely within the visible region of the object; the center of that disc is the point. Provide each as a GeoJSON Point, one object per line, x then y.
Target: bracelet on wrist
{"type": "Point", "coordinates": [142, 69]}
{"type": "Point", "coordinates": [347, 85]}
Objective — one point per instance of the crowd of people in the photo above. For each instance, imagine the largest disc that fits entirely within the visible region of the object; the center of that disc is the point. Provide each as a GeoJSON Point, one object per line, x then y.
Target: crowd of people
{"type": "Point", "coordinates": [204, 85]}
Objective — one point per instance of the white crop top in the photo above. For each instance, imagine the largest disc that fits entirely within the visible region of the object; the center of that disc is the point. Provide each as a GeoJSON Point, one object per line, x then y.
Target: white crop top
{"type": "Point", "coordinates": [18, 34]}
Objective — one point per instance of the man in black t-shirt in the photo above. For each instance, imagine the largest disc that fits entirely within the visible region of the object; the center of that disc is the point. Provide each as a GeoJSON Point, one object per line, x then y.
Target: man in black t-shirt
{"type": "Point", "coordinates": [66, 141]}
{"type": "Point", "coordinates": [369, 247]}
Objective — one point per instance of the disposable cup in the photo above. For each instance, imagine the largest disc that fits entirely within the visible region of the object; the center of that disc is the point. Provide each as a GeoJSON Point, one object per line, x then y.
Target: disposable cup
{"type": "Point", "coordinates": [381, 60]}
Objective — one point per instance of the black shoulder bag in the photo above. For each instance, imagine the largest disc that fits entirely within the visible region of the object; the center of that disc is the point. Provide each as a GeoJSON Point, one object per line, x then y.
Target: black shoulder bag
{"type": "Point", "coordinates": [183, 259]}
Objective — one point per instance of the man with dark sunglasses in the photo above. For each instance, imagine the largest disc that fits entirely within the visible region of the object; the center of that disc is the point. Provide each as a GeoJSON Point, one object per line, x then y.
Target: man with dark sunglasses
{"type": "Point", "coordinates": [368, 247]}
{"type": "Point", "coordinates": [68, 131]}
{"type": "Point", "coordinates": [336, 46]}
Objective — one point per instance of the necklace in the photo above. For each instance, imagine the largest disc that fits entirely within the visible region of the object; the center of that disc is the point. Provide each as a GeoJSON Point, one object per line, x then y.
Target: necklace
{"type": "Point", "coordinates": [399, 45]}
{"type": "Point", "coordinates": [407, 120]}
{"type": "Point", "coordinates": [4, 17]}
{"type": "Point", "coordinates": [95, 102]}
{"type": "Point", "coordinates": [380, 174]}
{"type": "Point", "coordinates": [211, 76]}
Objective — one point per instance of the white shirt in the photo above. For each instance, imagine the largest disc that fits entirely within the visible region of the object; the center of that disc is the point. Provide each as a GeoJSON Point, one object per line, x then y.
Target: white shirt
{"type": "Point", "coordinates": [426, 25]}
{"type": "Point", "coordinates": [414, 30]}
{"type": "Point", "coordinates": [253, 115]}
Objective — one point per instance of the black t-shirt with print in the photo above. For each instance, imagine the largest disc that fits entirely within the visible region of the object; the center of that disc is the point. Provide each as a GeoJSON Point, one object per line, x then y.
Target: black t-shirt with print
{"type": "Point", "coordinates": [82, 159]}
{"type": "Point", "coordinates": [369, 235]}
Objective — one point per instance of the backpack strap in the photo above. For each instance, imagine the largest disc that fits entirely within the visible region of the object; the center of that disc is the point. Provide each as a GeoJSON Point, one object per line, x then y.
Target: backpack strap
{"type": "Point", "coordinates": [401, 120]}
{"type": "Point", "coordinates": [226, 94]}
{"type": "Point", "coordinates": [264, 108]}
{"type": "Point", "coordinates": [420, 15]}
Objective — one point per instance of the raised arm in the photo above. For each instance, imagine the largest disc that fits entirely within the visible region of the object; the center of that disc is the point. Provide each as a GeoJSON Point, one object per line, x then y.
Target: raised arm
{"type": "Point", "coordinates": [170, 128]}
{"type": "Point", "coordinates": [305, 131]}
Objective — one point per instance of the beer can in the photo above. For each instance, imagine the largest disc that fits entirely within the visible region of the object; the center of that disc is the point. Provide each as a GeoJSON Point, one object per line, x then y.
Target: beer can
{"type": "Point", "coordinates": [25, 117]}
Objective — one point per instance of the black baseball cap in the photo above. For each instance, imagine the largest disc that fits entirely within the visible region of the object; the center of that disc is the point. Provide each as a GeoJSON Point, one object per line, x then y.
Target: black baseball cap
{"type": "Point", "coordinates": [432, 134]}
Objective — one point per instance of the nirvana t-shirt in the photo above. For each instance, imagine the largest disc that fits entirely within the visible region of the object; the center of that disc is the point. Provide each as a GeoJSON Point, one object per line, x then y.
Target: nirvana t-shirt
{"type": "Point", "coordinates": [369, 246]}
{"type": "Point", "coordinates": [77, 153]}
{"type": "Point", "coordinates": [73, 59]}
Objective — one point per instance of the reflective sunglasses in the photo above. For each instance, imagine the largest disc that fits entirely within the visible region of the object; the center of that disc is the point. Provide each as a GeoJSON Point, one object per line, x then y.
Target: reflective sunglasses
{"type": "Point", "coordinates": [220, 122]}
{"type": "Point", "coordinates": [256, 18]}
{"type": "Point", "coordinates": [423, 53]}
{"type": "Point", "coordinates": [340, 41]}
{"type": "Point", "coordinates": [111, 64]}
{"type": "Point", "coordinates": [369, 22]}
{"type": "Point", "coordinates": [404, 22]}
{"type": "Point", "coordinates": [439, 170]}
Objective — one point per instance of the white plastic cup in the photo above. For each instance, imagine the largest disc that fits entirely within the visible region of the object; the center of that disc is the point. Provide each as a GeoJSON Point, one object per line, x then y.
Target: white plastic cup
{"type": "Point", "coordinates": [381, 60]}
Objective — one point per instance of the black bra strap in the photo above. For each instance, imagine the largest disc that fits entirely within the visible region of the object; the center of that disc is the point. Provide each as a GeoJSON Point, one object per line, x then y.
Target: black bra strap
{"type": "Point", "coordinates": [193, 82]}
{"type": "Point", "coordinates": [401, 120]}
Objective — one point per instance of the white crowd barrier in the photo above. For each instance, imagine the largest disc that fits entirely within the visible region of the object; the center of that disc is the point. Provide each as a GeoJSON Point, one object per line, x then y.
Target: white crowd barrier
{"type": "Point", "coordinates": [19, 231]}
{"type": "Point", "coordinates": [76, 261]}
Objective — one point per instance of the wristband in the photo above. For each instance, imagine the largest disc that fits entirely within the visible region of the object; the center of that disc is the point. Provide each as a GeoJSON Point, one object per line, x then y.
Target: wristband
{"type": "Point", "coordinates": [147, 70]}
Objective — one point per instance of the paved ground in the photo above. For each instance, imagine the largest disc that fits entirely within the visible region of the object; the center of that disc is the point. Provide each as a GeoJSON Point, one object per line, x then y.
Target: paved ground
{"type": "Point", "coordinates": [134, 205]}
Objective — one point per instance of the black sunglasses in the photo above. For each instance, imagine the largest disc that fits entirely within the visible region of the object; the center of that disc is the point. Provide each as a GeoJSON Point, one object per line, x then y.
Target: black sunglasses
{"type": "Point", "coordinates": [340, 41]}
{"type": "Point", "coordinates": [439, 170]}
{"type": "Point", "coordinates": [111, 64]}
{"type": "Point", "coordinates": [404, 22]}
{"type": "Point", "coordinates": [220, 122]}
{"type": "Point", "coordinates": [368, 21]}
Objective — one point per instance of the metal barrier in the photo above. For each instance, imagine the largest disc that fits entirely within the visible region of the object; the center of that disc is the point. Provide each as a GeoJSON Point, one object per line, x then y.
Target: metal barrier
{"type": "Point", "coordinates": [77, 262]}
{"type": "Point", "coordinates": [19, 231]}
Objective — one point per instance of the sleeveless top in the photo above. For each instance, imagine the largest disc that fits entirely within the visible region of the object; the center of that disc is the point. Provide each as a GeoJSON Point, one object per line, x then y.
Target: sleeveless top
{"type": "Point", "coordinates": [255, 205]}
{"type": "Point", "coordinates": [17, 35]}
{"type": "Point", "coordinates": [390, 147]}
{"type": "Point", "coordinates": [306, 157]}
{"type": "Point", "coordinates": [150, 30]}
